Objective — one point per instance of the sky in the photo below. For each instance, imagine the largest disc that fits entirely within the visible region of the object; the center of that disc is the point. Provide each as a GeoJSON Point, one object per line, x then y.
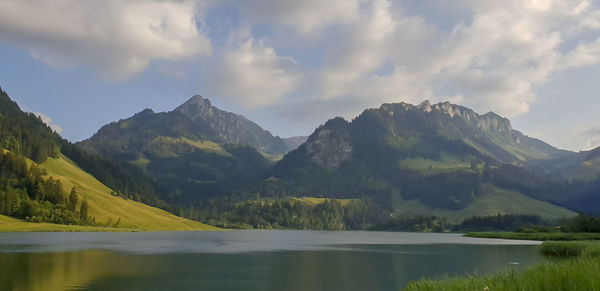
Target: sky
{"type": "Point", "coordinates": [292, 65]}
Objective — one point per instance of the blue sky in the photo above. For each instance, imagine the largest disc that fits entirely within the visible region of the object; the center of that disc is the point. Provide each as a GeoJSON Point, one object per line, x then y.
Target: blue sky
{"type": "Point", "coordinates": [291, 65]}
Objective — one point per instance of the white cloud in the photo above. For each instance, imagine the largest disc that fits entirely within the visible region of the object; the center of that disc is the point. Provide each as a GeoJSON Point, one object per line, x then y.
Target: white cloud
{"type": "Point", "coordinates": [119, 38]}
{"type": "Point", "coordinates": [592, 130]}
{"type": "Point", "coordinates": [591, 135]}
{"type": "Point", "coordinates": [252, 73]}
{"type": "Point", "coordinates": [48, 121]}
{"type": "Point", "coordinates": [304, 16]}
{"type": "Point", "coordinates": [495, 60]}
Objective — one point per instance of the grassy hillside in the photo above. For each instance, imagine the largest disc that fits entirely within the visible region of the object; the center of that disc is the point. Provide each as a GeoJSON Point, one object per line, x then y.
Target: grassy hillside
{"type": "Point", "coordinates": [105, 207]}
{"type": "Point", "coordinates": [446, 164]}
{"type": "Point", "coordinates": [497, 201]}
{"type": "Point", "coordinates": [10, 224]}
{"type": "Point", "coordinates": [586, 170]}
{"type": "Point", "coordinates": [312, 201]}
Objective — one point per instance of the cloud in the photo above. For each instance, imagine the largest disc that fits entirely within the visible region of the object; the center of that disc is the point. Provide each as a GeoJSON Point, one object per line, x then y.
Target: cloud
{"type": "Point", "coordinates": [304, 16]}
{"type": "Point", "coordinates": [118, 38]}
{"type": "Point", "coordinates": [48, 121]}
{"type": "Point", "coordinates": [590, 135]}
{"type": "Point", "coordinates": [252, 73]}
{"type": "Point", "coordinates": [592, 130]}
{"type": "Point", "coordinates": [494, 60]}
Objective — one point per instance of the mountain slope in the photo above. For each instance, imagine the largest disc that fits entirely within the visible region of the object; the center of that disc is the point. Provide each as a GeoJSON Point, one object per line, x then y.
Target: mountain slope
{"type": "Point", "coordinates": [497, 201]}
{"type": "Point", "coordinates": [424, 131]}
{"type": "Point", "coordinates": [105, 207]}
{"type": "Point", "coordinates": [226, 127]}
{"type": "Point", "coordinates": [443, 155]}
{"type": "Point", "coordinates": [194, 151]}
{"type": "Point", "coordinates": [39, 183]}
{"type": "Point", "coordinates": [195, 120]}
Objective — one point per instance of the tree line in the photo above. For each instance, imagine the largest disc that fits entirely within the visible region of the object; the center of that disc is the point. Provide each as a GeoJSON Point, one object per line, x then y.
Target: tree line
{"type": "Point", "coordinates": [232, 212]}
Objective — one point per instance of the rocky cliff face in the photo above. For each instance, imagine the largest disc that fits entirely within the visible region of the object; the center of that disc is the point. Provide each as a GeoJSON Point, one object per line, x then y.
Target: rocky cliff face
{"type": "Point", "coordinates": [233, 128]}
{"type": "Point", "coordinates": [330, 145]}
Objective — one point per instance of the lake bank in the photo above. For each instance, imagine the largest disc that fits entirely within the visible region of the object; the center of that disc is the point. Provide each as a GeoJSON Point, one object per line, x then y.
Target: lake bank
{"type": "Point", "coordinates": [10, 224]}
{"type": "Point", "coordinates": [575, 265]}
{"type": "Point", "coordinates": [541, 236]}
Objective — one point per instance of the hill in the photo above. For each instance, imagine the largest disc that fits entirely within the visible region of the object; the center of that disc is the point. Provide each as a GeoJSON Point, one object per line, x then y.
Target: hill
{"type": "Point", "coordinates": [40, 184]}
{"type": "Point", "coordinates": [439, 158]}
{"type": "Point", "coordinates": [193, 152]}
{"type": "Point", "coordinates": [107, 208]}
{"type": "Point", "coordinates": [196, 120]}
{"type": "Point", "coordinates": [496, 201]}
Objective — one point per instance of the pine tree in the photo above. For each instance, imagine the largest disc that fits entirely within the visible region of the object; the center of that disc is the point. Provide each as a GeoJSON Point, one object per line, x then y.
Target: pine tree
{"type": "Point", "coordinates": [83, 210]}
{"type": "Point", "coordinates": [73, 199]}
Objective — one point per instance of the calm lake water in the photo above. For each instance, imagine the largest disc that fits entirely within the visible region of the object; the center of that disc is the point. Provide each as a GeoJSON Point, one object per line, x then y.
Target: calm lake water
{"type": "Point", "coordinates": [247, 260]}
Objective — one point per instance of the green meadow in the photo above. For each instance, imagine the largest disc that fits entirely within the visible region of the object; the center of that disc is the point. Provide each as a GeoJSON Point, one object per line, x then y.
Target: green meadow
{"type": "Point", "coordinates": [116, 212]}
{"type": "Point", "coordinates": [571, 266]}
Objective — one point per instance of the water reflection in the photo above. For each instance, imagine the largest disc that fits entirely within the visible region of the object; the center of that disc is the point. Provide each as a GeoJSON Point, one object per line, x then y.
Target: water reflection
{"type": "Point", "coordinates": [62, 271]}
{"type": "Point", "coordinates": [364, 267]}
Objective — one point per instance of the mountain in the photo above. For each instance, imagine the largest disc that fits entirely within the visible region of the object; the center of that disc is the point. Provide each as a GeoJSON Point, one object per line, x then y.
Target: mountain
{"type": "Point", "coordinates": [39, 183]}
{"type": "Point", "coordinates": [226, 127]}
{"type": "Point", "coordinates": [194, 121]}
{"type": "Point", "coordinates": [441, 156]}
{"type": "Point", "coordinates": [424, 131]}
{"type": "Point", "coordinates": [194, 151]}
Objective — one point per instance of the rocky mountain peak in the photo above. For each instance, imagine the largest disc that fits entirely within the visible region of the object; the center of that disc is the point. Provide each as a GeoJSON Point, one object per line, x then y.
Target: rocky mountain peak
{"type": "Point", "coordinates": [146, 111]}
{"type": "Point", "coordinates": [195, 106]}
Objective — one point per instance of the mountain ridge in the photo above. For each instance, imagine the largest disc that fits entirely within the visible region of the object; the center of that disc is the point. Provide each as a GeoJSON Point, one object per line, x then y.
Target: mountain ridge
{"type": "Point", "coordinates": [490, 134]}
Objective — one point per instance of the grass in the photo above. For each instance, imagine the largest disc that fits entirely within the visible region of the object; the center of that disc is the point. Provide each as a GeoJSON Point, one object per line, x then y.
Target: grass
{"type": "Point", "coordinates": [580, 271]}
{"type": "Point", "coordinates": [271, 157]}
{"type": "Point", "coordinates": [448, 163]}
{"type": "Point", "coordinates": [10, 224]}
{"type": "Point", "coordinates": [565, 249]}
{"type": "Point", "coordinates": [103, 206]}
{"type": "Point", "coordinates": [308, 201]}
{"type": "Point", "coordinates": [141, 162]}
{"type": "Point", "coordinates": [494, 202]}
{"type": "Point", "coordinates": [587, 170]}
{"type": "Point", "coordinates": [311, 201]}
{"type": "Point", "coordinates": [544, 236]}
{"type": "Point", "coordinates": [204, 145]}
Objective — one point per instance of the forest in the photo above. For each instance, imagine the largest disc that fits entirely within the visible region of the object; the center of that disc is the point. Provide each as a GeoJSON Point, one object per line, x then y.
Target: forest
{"type": "Point", "coordinates": [231, 212]}
{"type": "Point", "coordinates": [25, 193]}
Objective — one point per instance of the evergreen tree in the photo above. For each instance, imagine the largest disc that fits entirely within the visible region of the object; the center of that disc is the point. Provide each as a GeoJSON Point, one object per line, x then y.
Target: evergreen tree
{"type": "Point", "coordinates": [73, 199]}
{"type": "Point", "coordinates": [83, 210]}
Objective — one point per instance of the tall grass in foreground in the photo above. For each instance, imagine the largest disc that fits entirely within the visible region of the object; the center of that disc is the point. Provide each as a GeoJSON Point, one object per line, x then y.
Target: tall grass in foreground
{"type": "Point", "coordinates": [579, 269]}
{"type": "Point", "coordinates": [581, 273]}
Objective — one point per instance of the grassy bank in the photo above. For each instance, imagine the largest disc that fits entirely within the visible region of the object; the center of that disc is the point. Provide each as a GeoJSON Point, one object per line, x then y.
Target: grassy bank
{"type": "Point", "coordinates": [9, 224]}
{"type": "Point", "coordinates": [573, 274]}
{"type": "Point", "coordinates": [545, 236]}
{"type": "Point", "coordinates": [567, 249]}
{"type": "Point", "coordinates": [577, 269]}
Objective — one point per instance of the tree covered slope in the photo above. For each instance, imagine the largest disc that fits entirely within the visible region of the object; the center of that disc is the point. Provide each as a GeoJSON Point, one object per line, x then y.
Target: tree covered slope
{"type": "Point", "coordinates": [40, 184]}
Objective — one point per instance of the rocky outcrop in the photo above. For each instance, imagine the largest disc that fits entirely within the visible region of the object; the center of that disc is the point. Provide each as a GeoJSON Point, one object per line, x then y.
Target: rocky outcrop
{"type": "Point", "coordinates": [330, 145]}
{"type": "Point", "coordinates": [230, 127]}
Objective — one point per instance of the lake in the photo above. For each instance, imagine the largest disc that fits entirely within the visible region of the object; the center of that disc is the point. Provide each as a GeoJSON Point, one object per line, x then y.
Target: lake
{"type": "Point", "coordinates": [247, 260]}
